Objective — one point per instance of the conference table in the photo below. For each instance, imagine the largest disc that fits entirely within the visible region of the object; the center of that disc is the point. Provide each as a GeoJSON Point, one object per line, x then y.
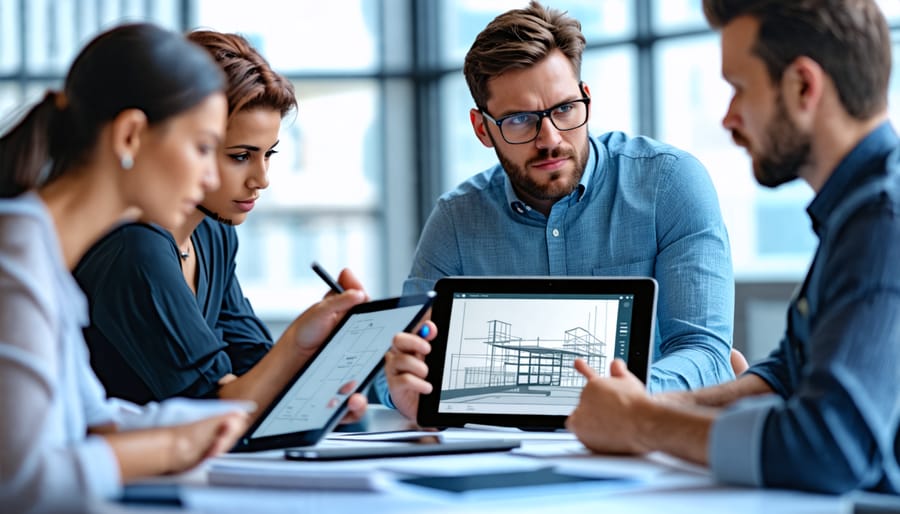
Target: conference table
{"type": "Point", "coordinates": [267, 483]}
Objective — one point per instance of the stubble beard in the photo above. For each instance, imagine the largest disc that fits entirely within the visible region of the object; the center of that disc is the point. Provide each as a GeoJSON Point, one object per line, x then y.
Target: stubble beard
{"type": "Point", "coordinates": [786, 151]}
{"type": "Point", "coordinates": [553, 187]}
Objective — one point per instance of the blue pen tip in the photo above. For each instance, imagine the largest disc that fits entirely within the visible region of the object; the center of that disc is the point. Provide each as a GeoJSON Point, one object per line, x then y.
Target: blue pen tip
{"type": "Point", "coordinates": [424, 331]}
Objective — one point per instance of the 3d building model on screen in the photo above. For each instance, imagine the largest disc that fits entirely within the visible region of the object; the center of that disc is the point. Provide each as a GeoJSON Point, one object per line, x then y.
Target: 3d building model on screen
{"type": "Point", "coordinates": [504, 366]}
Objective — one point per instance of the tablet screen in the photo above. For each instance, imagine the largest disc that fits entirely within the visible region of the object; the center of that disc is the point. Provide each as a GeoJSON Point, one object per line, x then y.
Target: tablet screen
{"type": "Point", "coordinates": [514, 353]}
{"type": "Point", "coordinates": [315, 399]}
{"type": "Point", "coordinates": [344, 363]}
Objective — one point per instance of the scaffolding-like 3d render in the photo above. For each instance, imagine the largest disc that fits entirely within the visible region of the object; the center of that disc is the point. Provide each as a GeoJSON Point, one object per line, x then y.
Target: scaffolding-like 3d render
{"type": "Point", "coordinates": [515, 365]}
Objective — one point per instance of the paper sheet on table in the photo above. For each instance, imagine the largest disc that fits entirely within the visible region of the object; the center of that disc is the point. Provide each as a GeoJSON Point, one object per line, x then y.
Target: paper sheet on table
{"type": "Point", "coordinates": [465, 464]}
{"type": "Point", "coordinates": [394, 435]}
{"type": "Point", "coordinates": [280, 473]}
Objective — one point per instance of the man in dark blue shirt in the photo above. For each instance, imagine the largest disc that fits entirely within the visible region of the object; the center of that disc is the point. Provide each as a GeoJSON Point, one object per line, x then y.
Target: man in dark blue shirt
{"type": "Point", "coordinates": [821, 412]}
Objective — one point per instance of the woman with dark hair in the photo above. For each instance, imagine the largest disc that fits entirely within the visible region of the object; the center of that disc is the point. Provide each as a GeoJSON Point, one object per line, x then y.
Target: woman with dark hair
{"type": "Point", "coordinates": [168, 317]}
{"type": "Point", "coordinates": [135, 126]}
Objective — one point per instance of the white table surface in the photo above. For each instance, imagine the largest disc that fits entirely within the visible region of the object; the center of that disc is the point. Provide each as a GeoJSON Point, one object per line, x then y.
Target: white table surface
{"type": "Point", "coordinates": [662, 484]}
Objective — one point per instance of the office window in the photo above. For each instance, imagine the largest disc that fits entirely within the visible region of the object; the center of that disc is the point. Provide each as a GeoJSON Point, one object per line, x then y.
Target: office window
{"type": "Point", "coordinates": [891, 9]}
{"type": "Point", "coordinates": [677, 15]}
{"type": "Point", "coordinates": [769, 230]}
{"type": "Point", "coordinates": [462, 20]}
{"type": "Point", "coordinates": [611, 75]}
{"type": "Point", "coordinates": [383, 126]}
{"type": "Point", "coordinates": [464, 153]}
{"type": "Point", "coordinates": [325, 198]}
{"type": "Point", "coordinates": [302, 36]}
{"type": "Point", "coordinates": [55, 31]}
{"type": "Point", "coordinates": [10, 51]}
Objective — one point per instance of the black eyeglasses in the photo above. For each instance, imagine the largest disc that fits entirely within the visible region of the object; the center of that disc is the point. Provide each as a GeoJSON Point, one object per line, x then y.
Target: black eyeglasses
{"type": "Point", "coordinates": [523, 127]}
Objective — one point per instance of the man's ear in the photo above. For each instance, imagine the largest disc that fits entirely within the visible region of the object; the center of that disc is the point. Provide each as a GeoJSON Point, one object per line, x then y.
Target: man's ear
{"type": "Point", "coordinates": [587, 92]}
{"type": "Point", "coordinates": [803, 85]}
{"type": "Point", "coordinates": [480, 128]}
{"type": "Point", "coordinates": [126, 131]}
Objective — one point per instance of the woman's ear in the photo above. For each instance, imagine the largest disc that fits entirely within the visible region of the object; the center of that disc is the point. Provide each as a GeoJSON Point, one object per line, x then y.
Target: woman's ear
{"type": "Point", "coordinates": [126, 131]}
{"type": "Point", "coordinates": [481, 130]}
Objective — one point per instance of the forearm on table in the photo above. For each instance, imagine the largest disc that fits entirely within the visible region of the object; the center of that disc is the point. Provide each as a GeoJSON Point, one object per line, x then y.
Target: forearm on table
{"type": "Point", "coordinates": [725, 394]}
{"type": "Point", "coordinates": [677, 430]}
{"type": "Point", "coordinates": [143, 453]}
{"type": "Point", "coordinates": [266, 379]}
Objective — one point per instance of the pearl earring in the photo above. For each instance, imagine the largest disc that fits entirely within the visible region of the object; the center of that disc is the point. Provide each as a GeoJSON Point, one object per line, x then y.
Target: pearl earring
{"type": "Point", "coordinates": [127, 162]}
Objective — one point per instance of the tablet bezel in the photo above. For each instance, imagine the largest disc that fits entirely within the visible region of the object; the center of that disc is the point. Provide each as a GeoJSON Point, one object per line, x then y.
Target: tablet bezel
{"type": "Point", "coordinates": [641, 338]}
{"type": "Point", "coordinates": [247, 443]}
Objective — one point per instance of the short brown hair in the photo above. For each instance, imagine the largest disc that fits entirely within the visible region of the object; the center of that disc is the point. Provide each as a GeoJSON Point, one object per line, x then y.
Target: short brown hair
{"type": "Point", "coordinates": [251, 82]}
{"type": "Point", "coordinates": [849, 39]}
{"type": "Point", "coordinates": [519, 39]}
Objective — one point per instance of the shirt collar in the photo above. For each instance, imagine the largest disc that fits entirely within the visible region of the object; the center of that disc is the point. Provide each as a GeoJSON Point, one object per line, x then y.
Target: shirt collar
{"type": "Point", "coordinates": [520, 207]}
{"type": "Point", "coordinates": [866, 157]}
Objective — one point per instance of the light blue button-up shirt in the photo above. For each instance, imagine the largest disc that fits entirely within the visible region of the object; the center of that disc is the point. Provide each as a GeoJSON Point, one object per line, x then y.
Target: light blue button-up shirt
{"type": "Point", "coordinates": [832, 426]}
{"type": "Point", "coordinates": [642, 208]}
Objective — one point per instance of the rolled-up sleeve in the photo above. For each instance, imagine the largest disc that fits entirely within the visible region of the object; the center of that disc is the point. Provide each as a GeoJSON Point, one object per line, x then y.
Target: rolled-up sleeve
{"type": "Point", "coordinates": [695, 309]}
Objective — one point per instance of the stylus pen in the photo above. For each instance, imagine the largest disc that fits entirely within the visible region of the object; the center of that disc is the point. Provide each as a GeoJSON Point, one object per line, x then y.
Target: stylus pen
{"type": "Point", "coordinates": [332, 283]}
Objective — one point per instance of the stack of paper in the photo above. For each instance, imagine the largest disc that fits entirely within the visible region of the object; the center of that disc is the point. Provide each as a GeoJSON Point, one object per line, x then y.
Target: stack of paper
{"type": "Point", "coordinates": [294, 475]}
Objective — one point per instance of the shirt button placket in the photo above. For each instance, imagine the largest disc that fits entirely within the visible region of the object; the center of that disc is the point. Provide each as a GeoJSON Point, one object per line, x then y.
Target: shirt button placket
{"type": "Point", "coordinates": [556, 251]}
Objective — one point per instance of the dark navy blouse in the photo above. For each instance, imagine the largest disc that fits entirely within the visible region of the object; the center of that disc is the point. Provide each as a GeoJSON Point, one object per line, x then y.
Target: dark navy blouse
{"type": "Point", "coordinates": [150, 337]}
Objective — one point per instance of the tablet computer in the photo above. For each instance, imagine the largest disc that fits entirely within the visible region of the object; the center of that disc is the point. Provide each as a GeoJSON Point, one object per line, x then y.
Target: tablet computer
{"type": "Point", "coordinates": [315, 399]}
{"type": "Point", "coordinates": [421, 446]}
{"type": "Point", "coordinates": [505, 346]}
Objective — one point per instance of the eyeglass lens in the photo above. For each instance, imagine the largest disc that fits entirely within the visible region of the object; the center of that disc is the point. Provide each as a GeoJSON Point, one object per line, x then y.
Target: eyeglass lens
{"type": "Point", "coordinates": [523, 127]}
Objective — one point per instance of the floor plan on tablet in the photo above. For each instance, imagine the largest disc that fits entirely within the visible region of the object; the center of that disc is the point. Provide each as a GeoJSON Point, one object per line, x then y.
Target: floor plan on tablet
{"type": "Point", "coordinates": [345, 361]}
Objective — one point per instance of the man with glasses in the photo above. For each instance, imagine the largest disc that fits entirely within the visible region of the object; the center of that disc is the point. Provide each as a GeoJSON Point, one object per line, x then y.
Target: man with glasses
{"type": "Point", "coordinates": [564, 203]}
